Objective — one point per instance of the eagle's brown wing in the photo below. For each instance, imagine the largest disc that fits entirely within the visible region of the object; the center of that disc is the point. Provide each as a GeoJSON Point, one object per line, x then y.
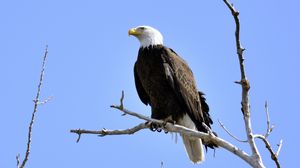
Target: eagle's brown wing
{"type": "Point", "coordinates": [182, 81]}
{"type": "Point", "coordinates": [139, 87]}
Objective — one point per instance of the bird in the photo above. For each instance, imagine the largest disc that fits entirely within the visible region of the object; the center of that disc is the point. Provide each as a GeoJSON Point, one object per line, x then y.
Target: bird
{"type": "Point", "coordinates": [164, 81]}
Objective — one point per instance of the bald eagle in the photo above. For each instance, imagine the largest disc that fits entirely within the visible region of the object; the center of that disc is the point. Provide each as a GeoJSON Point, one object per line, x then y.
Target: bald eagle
{"type": "Point", "coordinates": [165, 82]}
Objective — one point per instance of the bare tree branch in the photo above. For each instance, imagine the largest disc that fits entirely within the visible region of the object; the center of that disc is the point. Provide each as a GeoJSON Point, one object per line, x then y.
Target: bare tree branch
{"type": "Point", "coordinates": [105, 132]}
{"type": "Point", "coordinates": [18, 160]}
{"type": "Point", "coordinates": [44, 101]}
{"type": "Point", "coordinates": [268, 119]}
{"type": "Point", "coordinates": [169, 127]}
{"type": "Point", "coordinates": [268, 146]}
{"type": "Point", "coordinates": [229, 133]}
{"type": "Point", "coordinates": [279, 147]}
{"type": "Point", "coordinates": [245, 87]}
{"type": "Point", "coordinates": [36, 103]}
{"type": "Point", "coordinates": [245, 98]}
{"type": "Point", "coordinates": [239, 47]}
{"type": "Point", "coordinates": [269, 127]}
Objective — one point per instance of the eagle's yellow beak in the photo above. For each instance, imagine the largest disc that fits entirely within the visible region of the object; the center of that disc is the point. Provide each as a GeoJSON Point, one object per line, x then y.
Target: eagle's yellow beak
{"type": "Point", "coordinates": [133, 32]}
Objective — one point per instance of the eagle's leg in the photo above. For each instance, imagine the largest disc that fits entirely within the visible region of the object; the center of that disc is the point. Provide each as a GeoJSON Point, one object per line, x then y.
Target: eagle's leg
{"type": "Point", "coordinates": [168, 120]}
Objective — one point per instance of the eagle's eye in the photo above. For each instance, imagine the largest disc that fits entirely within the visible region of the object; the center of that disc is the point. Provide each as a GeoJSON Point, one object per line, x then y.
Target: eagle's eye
{"type": "Point", "coordinates": [142, 28]}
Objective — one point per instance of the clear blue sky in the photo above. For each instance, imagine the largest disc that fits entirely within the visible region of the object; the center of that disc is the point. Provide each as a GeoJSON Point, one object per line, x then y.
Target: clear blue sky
{"type": "Point", "coordinates": [91, 60]}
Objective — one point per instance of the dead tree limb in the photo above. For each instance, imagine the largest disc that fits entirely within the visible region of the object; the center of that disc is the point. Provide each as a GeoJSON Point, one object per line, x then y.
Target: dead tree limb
{"type": "Point", "coordinates": [229, 133]}
{"type": "Point", "coordinates": [169, 127]}
{"type": "Point", "coordinates": [274, 156]}
{"type": "Point", "coordinates": [244, 82]}
{"type": "Point", "coordinates": [245, 87]}
{"type": "Point", "coordinates": [36, 104]}
{"type": "Point", "coordinates": [103, 132]}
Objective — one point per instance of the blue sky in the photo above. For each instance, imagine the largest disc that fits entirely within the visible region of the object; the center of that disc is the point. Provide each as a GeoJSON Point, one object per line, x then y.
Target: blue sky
{"type": "Point", "coordinates": [91, 60]}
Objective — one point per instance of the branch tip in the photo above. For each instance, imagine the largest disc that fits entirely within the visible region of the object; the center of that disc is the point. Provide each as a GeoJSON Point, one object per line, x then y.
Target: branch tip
{"type": "Point", "coordinates": [18, 160]}
{"type": "Point", "coordinates": [269, 126]}
{"type": "Point", "coordinates": [229, 133]}
{"type": "Point", "coordinates": [44, 101]}
{"type": "Point", "coordinates": [121, 106]}
{"type": "Point", "coordinates": [238, 82]}
{"type": "Point", "coordinates": [279, 147]}
{"type": "Point", "coordinates": [274, 156]}
{"type": "Point", "coordinates": [79, 136]}
{"type": "Point", "coordinates": [121, 100]}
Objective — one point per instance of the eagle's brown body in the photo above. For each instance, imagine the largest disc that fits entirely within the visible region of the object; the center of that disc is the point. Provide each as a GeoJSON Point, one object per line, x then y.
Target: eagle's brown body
{"type": "Point", "coordinates": [165, 82]}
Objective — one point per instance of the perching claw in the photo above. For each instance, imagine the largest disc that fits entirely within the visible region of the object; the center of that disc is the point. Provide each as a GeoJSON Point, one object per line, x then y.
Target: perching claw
{"type": "Point", "coordinates": [153, 126]}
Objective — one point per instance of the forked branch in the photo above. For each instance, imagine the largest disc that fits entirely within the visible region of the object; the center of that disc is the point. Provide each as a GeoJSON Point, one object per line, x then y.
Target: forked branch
{"type": "Point", "coordinates": [245, 98]}
{"type": "Point", "coordinates": [274, 156]}
{"type": "Point", "coordinates": [168, 127]}
{"type": "Point", "coordinates": [245, 87]}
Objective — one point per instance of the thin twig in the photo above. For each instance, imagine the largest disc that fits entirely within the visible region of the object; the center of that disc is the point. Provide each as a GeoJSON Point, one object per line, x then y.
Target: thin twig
{"type": "Point", "coordinates": [269, 127]}
{"type": "Point", "coordinates": [268, 146]}
{"type": "Point", "coordinates": [18, 160]}
{"type": "Point", "coordinates": [239, 47]}
{"type": "Point", "coordinates": [44, 101]}
{"type": "Point", "coordinates": [268, 118]}
{"type": "Point", "coordinates": [229, 133]}
{"type": "Point", "coordinates": [36, 103]}
{"type": "Point", "coordinates": [279, 147]}
{"type": "Point", "coordinates": [121, 100]}
{"type": "Point", "coordinates": [79, 135]}
{"type": "Point", "coordinates": [105, 132]}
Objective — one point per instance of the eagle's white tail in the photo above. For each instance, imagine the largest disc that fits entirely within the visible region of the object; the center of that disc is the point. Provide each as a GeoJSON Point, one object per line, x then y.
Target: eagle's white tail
{"type": "Point", "coordinates": [193, 146]}
{"type": "Point", "coordinates": [194, 149]}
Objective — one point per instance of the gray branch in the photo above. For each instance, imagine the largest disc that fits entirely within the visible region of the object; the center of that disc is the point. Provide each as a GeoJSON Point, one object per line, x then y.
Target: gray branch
{"type": "Point", "coordinates": [279, 147]}
{"type": "Point", "coordinates": [229, 133]}
{"type": "Point", "coordinates": [105, 132]}
{"type": "Point", "coordinates": [245, 88]}
{"type": "Point", "coordinates": [245, 99]}
{"type": "Point", "coordinates": [274, 156]}
{"type": "Point", "coordinates": [168, 127]}
{"type": "Point", "coordinates": [36, 104]}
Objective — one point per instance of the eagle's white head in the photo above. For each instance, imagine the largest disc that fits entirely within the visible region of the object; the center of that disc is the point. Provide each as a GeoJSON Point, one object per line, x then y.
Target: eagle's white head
{"type": "Point", "coordinates": [147, 35]}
